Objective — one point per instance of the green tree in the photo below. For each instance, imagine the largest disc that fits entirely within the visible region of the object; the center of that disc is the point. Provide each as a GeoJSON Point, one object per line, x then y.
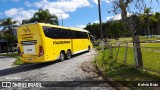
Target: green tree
{"type": "Point", "coordinates": [43, 16]}
{"type": "Point", "coordinates": [146, 13]}
{"type": "Point", "coordinates": [93, 29]}
{"type": "Point", "coordinates": [10, 40]}
{"type": "Point", "coordinates": [25, 21]}
{"type": "Point", "coordinates": [157, 17]}
{"type": "Point", "coordinates": [116, 29]}
{"type": "Point", "coordinates": [143, 24]}
{"type": "Point", "coordinates": [153, 24]}
{"type": "Point", "coordinates": [8, 25]}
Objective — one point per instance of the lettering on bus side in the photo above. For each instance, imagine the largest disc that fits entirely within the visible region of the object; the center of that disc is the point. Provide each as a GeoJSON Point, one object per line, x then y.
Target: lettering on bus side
{"type": "Point", "coordinates": [60, 42]}
{"type": "Point", "coordinates": [27, 38]}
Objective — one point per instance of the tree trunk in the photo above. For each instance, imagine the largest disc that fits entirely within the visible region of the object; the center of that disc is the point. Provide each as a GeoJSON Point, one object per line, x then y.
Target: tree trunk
{"type": "Point", "coordinates": [11, 48]}
{"type": "Point", "coordinates": [137, 51]}
{"type": "Point", "coordinates": [132, 25]}
{"type": "Point", "coordinates": [148, 27]}
{"type": "Point", "coordinates": [136, 43]}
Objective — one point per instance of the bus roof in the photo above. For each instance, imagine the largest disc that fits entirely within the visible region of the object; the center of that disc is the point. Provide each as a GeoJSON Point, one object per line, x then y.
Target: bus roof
{"type": "Point", "coordinates": [71, 28]}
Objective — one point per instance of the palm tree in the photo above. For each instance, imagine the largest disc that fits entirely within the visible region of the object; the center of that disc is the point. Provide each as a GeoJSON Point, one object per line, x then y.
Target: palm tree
{"type": "Point", "coordinates": [8, 25]}
{"type": "Point", "coordinates": [157, 17]}
{"type": "Point", "coordinates": [44, 16]}
{"type": "Point", "coordinates": [143, 24]}
{"type": "Point", "coordinates": [146, 13]}
{"type": "Point", "coordinates": [153, 24]}
{"type": "Point", "coordinates": [25, 21]}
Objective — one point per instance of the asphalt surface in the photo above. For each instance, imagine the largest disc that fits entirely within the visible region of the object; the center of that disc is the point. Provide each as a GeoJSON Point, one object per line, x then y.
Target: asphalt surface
{"type": "Point", "coordinates": [6, 62]}
{"type": "Point", "coordinates": [78, 68]}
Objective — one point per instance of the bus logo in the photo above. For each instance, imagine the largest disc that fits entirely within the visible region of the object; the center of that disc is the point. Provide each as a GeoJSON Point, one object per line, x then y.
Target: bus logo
{"type": "Point", "coordinates": [26, 30]}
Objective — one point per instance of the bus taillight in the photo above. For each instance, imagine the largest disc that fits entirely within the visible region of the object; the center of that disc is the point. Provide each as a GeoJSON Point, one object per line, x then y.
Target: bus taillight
{"type": "Point", "coordinates": [41, 51]}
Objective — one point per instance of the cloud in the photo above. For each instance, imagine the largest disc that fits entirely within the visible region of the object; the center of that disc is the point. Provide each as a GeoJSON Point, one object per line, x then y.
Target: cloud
{"type": "Point", "coordinates": [116, 17]}
{"type": "Point", "coordinates": [95, 1]}
{"type": "Point", "coordinates": [107, 1]}
{"type": "Point", "coordinates": [62, 15]}
{"type": "Point", "coordinates": [97, 21]}
{"type": "Point", "coordinates": [60, 7]}
{"type": "Point", "coordinates": [12, 12]}
{"type": "Point", "coordinates": [65, 5]}
{"type": "Point", "coordinates": [28, 4]}
{"type": "Point", "coordinates": [80, 26]}
{"type": "Point", "coordinates": [19, 14]}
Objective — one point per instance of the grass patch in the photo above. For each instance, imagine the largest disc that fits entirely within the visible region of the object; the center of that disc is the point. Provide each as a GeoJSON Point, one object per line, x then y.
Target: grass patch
{"type": "Point", "coordinates": [150, 57]}
{"type": "Point", "coordinates": [154, 45]}
{"type": "Point", "coordinates": [116, 70]}
{"type": "Point", "coordinates": [129, 39]}
{"type": "Point", "coordinates": [144, 39]}
{"type": "Point", "coordinates": [150, 54]}
{"type": "Point", "coordinates": [149, 45]}
{"type": "Point", "coordinates": [18, 61]}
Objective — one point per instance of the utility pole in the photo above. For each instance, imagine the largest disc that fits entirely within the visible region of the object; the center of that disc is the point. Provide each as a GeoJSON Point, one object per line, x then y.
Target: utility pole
{"type": "Point", "coordinates": [62, 18]}
{"type": "Point", "coordinates": [100, 22]}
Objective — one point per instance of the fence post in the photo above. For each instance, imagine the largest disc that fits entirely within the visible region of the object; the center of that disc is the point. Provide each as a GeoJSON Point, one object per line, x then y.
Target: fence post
{"type": "Point", "coordinates": [117, 51]}
{"type": "Point", "coordinates": [125, 53]}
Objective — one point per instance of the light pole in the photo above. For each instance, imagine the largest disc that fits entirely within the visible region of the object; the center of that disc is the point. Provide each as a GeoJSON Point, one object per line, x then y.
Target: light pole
{"type": "Point", "coordinates": [62, 18]}
{"type": "Point", "coordinates": [100, 22]}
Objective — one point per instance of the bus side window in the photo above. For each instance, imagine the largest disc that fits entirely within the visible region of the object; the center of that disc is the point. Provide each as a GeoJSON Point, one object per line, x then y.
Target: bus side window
{"type": "Point", "coordinates": [72, 34]}
{"type": "Point", "coordinates": [77, 34]}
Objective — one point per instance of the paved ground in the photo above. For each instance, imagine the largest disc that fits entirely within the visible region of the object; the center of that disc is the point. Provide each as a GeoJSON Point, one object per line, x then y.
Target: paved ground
{"type": "Point", "coordinates": [78, 68]}
{"type": "Point", "coordinates": [6, 62]}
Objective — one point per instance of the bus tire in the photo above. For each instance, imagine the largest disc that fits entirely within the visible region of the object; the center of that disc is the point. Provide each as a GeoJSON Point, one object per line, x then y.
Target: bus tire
{"type": "Point", "coordinates": [69, 54]}
{"type": "Point", "coordinates": [88, 48]}
{"type": "Point", "coordinates": [62, 56]}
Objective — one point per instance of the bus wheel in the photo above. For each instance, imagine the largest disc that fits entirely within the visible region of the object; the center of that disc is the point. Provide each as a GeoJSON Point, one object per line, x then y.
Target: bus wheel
{"type": "Point", "coordinates": [62, 56]}
{"type": "Point", "coordinates": [69, 54]}
{"type": "Point", "coordinates": [88, 48]}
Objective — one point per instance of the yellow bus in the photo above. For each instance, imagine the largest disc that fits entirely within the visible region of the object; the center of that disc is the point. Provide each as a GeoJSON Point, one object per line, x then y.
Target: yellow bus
{"type": "Point", "coordinates": [40, 42]}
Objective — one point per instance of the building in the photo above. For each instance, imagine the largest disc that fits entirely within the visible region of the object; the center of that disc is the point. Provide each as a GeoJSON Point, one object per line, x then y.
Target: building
{"type": "Point", "coordinates": [3, 45]}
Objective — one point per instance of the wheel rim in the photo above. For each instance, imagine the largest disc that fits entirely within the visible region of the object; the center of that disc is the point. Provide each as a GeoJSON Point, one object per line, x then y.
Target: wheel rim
{"type": "Point", "coordinates": [68, 54]}
{"type": "Point", "coordinates": [62, 56]}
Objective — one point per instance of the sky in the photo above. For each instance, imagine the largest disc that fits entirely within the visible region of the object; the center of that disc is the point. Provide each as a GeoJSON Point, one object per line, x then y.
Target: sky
{"type": "Point", "coordinates": [75, 13]}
